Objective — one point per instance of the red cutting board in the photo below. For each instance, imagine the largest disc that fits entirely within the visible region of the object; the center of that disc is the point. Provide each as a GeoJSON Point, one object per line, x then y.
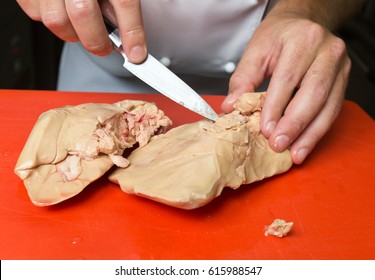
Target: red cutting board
{"type": "Point", "coordinates": [330, 199]}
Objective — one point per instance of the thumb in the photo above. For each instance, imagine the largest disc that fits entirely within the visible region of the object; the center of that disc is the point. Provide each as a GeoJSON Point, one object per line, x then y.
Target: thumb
{"type": "Point", "coordinates": [130, 23]}
{"type": "Point", "coordinates": [246, 78]}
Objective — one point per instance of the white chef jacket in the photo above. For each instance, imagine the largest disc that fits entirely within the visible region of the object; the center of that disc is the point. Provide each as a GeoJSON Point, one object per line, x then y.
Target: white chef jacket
{"type": "Point", "coordinates": [200, 40]}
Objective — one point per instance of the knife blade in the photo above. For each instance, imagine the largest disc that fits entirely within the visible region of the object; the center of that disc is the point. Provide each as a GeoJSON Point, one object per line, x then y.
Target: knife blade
{"type": "Point", "coordinates": [155, 74]}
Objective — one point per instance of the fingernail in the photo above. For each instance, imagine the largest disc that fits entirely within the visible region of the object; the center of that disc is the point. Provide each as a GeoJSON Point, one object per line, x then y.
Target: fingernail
{"type": "Point", "coordinates": [137, 54]}
{"type": "Point", "coordinates": [270, 127]}
{"type": "Point", "coordinates": [230, 99]}
{"type": "Point", "coordinates": [281, 142]}
{"type": "Point", "coordinates": [302, 154]}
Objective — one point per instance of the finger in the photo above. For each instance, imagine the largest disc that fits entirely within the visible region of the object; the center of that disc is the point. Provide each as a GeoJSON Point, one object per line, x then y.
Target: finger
{"type": "Point", "coordinates": [130, 23]}
{"type": "Point", "coordinates": [311, 97]}
{"type": "Point", "coordinates": [108, 11]}
{"type": "Point", "coordinates": [295, 59]}
{"type": "Point", "coordinates": [306, 142]}
{"type": "Point", "coordinates": [87, 20]}
{"type": "Point", "coordinates": [53, 15]}
{"type": "Point", "coordinates": [249, 74]}
{"type": "Point", "coordinates": [31, 8]}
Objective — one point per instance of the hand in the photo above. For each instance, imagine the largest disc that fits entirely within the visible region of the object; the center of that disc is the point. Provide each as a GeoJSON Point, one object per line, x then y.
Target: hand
{"type": "Point", "coordinates": [81, 20]}
{"type": "Point", "coordinates": [300, 56]}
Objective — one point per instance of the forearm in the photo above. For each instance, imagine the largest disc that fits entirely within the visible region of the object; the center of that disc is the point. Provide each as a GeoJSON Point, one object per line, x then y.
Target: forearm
{"type": "Point", "coordinates": [329, 13]}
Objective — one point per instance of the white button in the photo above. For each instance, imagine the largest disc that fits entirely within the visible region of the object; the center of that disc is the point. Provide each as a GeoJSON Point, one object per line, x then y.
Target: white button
{"type": "Point", "coordinates": [165, 61]}
{"type": "Point", "coordinates": [230, 67]}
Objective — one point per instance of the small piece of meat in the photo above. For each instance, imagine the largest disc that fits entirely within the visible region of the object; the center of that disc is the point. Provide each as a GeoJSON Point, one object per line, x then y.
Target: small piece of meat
{"type": "Point", "coordinates": [190, 165]}
{"type": "Point", "coordinates": [71, 147]}
{"type": "Point", "coordinates": [278, 228]}
{"type": "Point", "coordinates": [119, 161]}
{"type": "Point", "coordinates": [70, 168]}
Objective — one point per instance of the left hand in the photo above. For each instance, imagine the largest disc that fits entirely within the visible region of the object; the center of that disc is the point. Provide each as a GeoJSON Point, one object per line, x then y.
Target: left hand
{"type": "Point", "coordinates": [300, 56]}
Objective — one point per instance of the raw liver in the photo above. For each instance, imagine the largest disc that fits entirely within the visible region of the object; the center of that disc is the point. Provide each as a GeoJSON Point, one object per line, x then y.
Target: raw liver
{"type": "Point", "coordinates": [330, 199]}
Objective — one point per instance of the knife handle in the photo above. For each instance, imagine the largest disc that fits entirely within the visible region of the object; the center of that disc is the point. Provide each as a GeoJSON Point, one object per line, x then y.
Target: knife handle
{"type": "Point", "coordinates": [114, 36]}
{"type": "Point", "coordinates": [109, 25]}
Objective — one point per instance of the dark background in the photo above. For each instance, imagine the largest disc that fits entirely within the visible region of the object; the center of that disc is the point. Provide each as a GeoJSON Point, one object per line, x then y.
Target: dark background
{"type": "Point", "coordinates": [29, 53]}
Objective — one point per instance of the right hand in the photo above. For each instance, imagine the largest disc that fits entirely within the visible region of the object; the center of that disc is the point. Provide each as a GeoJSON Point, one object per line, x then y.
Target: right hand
{"type": "Point", "coordinates": [81, 20]}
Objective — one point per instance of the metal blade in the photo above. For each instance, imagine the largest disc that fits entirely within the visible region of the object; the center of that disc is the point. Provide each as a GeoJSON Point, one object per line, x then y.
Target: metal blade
{"type": "Point", "coordinates": [165, 81]}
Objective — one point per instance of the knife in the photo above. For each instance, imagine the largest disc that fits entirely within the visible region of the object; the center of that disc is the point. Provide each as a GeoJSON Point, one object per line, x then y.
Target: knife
{"type": "Point", "coordinates": [155, 74]}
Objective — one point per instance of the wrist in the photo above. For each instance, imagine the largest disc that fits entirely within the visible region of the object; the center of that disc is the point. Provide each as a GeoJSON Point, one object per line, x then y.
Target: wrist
{"type": "Point", "coordinates": [331, 14]}
{"type": "Point", "coordinates": [308, 9]}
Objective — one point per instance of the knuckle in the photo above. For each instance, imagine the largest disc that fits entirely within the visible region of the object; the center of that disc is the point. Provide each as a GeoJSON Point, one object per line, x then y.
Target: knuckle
{"type": "Point", "coordinates": [128, 3]}
{"type": "Point", "coordinates": [30, 9]}
{"type": "Point", "coordinates": [320, 89]}
{"type": "Point", "coordinates": [54, 19]}
{"type": "Point", "coordinates": [297, 124]}
{"type": "Point", "coordinates": [35, 16]}
{"type": "Point", "coordinates": [288, 77]}
{"type": "Point", "coordinates": [81, 8]}
{"type": "Point", "coordinates": [97, 48]}
{"type": "Point", "coordinates": [135, 32]}
{"type": "Point", "coordinates": [314, 32]}
{"type": "Point", "coordinates": [315, 136]}
{"type": "Point", "coordinates": [338, 48]}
